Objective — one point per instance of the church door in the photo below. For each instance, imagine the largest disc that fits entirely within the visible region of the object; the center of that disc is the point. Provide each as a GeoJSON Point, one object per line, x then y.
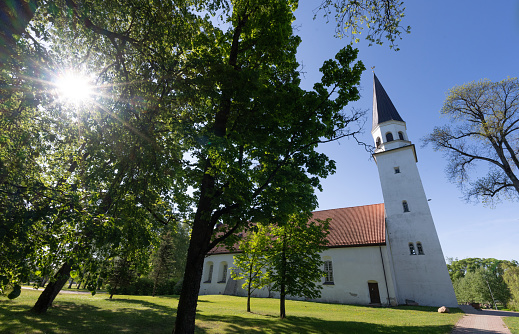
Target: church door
{"type": "Point", "coordinates": [374, 295]}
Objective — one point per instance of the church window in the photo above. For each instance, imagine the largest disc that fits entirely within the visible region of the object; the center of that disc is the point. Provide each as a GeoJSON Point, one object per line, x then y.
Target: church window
{"type": "Point", "coordinates": [411, 249]}
{"type": "Point", "coordinates": [223, 272]}
{"type": "Point", "coordinates": [397, 170]}
{"type": "Point", "coordinates": [419, 248]}
{"type": "Point", "coordinates": [378, 142]}
{"type": "Point", "coordinates": [405, 206]}
{"type": "Point", "coordinates": [209, 268]}
{"type": "Point", "coordinates": [400, 135]}
{"type": "Point", "coordinates": [389, 136]}
{"type": "Point", "coordinates": [328, 269]}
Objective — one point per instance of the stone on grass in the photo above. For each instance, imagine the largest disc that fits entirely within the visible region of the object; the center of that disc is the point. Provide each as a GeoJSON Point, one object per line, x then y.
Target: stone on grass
{"type": "Point", "coordinates": [443, 309]}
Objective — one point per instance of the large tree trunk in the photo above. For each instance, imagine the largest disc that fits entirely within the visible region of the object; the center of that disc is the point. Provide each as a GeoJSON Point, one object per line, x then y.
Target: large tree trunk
{"type": "Point", "coordinates": [186, 310]}
{"type": "Point", "coordinates": [200, 240]}
{"type": "Point", "coordinates": [53, 288]}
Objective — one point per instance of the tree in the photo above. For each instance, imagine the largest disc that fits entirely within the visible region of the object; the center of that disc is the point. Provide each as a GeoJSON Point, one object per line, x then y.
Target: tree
{"type": "Point", "coordinates": [483, 130]}
{"type": "Point", "coordinates": [382, 18]}
{"type": "Point", "coordinates": [481, 286]}
{"type": "Point", "coordinates": [186, 102]}
{"type": "Point", "coordinates": [168, 260]}
{"type": "Point", "coordinates": [295, 263]}
{"type": "Point", "coordinates": [511, 278]}
{"type": "Point", "coordinates": [252, 263]}
{"type": "Point", "coordinates": [121, 274]}
{"type": "Point", "coordinates": [459, 268]}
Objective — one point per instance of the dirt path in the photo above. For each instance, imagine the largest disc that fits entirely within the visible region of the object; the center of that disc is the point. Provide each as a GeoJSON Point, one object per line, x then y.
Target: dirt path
{"type": "Point", "coordinates": [482, 322]}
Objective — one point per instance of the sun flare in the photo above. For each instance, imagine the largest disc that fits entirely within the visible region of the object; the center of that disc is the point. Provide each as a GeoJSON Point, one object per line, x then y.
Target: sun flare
{"type": "Point", "coordinates": [73, 87]}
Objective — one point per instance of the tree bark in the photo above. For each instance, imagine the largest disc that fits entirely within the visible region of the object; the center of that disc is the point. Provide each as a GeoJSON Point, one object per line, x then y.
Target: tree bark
{"type": "Point", "coordinates": [249, 288]}
{"type": "Point", "coordinates": [200, 240]}
{"type": "Point", "coordinates": [282, 292]}
{"type": "Point", "coordinates": [186, 310]}
{"type": "Point", "coordinates": [53, 288]}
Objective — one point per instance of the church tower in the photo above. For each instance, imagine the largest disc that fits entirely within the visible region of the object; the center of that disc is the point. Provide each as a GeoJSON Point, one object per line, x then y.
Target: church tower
{"type": "Point", "coordinates": [419, 270]}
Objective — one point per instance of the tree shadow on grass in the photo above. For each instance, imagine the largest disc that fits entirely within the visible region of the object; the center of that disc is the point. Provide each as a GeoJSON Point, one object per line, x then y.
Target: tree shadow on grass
{"type": "Point", "coordinates": [127, 315]}
{"type": "Point", "coordinates": [270, 323]}
{"type": "Point", "coordinates": [237, 324]}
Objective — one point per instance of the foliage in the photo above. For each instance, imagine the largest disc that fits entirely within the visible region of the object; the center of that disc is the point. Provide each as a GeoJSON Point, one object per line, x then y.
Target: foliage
{"type": "Point", "coordinates": [511, 278]}
{"type": "Point", "coordinates": [169, 258]}
{"type": "Point", "coordinates": [183, 101]}
{"type": "Point", "coordinates": [252, 263]}
{"type": "Point", "coordinates": [481, 286]}
{"type": "Point", "coordinates": [120, 276]}
{"type": "Point", "coordinates": [483, 130]}
{"type": "Point", "coordinates": [382, 18]}
{"type": "Point", "coordinates": [218, 314]}
{"type": "Point", "coordinates": [295, 260]}
{"type": "Point", "coordinates": [458, 268]}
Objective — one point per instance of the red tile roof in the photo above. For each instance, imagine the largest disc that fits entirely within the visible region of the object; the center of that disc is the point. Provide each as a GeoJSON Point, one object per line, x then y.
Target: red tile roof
{"type": "Point", "coordinates": [355, 226]}
{"type": "Point", "coordinates": [350, 227]}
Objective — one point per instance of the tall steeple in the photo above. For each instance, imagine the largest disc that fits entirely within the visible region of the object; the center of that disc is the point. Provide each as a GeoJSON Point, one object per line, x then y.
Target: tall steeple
{"type": "Point", "coordinates": [383, 108]}
{"type": "Point", "coordinates": [416, 257]}
{"type": "Point", "coordinates": [389, 129]}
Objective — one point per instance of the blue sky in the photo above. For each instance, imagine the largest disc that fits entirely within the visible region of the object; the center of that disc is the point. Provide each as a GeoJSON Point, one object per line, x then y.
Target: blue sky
{"type": "Point", "coordinates": [451, 43]}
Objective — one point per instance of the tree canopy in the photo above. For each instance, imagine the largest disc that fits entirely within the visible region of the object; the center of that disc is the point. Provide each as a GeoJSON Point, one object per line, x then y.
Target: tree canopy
{"type": "Point", "coordinates": [483, 130]}
{"type": "Point", "coordinates": [191, 117]}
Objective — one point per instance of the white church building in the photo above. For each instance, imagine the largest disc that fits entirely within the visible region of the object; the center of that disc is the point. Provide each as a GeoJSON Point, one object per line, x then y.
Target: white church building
{"type": "Point", "coordinates": [380, 254]}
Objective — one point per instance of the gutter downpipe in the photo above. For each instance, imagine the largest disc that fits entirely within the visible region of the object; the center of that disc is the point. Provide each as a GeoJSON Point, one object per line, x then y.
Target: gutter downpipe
{"type": "Point", "coordinates": [385, 279]}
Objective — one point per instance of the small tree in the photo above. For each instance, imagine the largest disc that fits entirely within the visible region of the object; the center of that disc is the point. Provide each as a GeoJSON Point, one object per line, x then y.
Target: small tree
{"type": "Point", "coordinates": [296, 265]}
{"type": "Point", "coordinates": [163, 260]}
{"type": "Point", "coordinates": [121, 275]}
{"type": "Point", "coordinates": [252, 263]}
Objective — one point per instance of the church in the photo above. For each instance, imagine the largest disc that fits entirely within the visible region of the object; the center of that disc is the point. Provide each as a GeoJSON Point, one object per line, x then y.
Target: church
{"type": "Point", "coordinates": [381, 254]}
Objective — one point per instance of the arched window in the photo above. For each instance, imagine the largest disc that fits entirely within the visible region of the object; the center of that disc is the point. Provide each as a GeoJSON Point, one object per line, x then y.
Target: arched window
{"type": "Point", "coordinates": [401, 135]}
{"type": "Point", "coordinates": [389, 136]}
{"type": "Point", "coordinates": [411, 249]}
{"type": "Point", "coordinates": [419, 248]}
{"type": "Point", "coordinates": [378, 142]}
{"type": "Point", "coordinates": [209, 272]}
{"type": "Point", "coordinates": [222, 275]}
{"type": "Point", "coordinates": [405, 206]}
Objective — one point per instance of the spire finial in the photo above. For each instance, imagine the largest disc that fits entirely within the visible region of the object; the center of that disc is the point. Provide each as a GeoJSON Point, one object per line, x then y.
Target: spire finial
{"type": "Point", "coordinates": [373, 69]}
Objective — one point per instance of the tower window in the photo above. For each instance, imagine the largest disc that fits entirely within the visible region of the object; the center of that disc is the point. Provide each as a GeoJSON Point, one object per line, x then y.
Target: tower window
{"type": "Point", "coordinates": [405, 206]}
{"type": "Point", "coordinates": [389, 136]}
{"type": "Point", "coordinates": [411, 249]}
{"type": "Point", "coordinates": [378, 142]}
{"type": "Point", "coordinates": [397, 170]}
{"type": "Point", "coordinates": [419, 248]}
{"type": "Point", "coordinates": [400, 135]}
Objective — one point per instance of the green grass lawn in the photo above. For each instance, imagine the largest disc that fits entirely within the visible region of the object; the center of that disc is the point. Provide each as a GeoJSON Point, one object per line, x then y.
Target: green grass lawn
{"type": "Point", "coordinates": [73, 313]}
{"type": "Point", "coordinates": [512, 323]}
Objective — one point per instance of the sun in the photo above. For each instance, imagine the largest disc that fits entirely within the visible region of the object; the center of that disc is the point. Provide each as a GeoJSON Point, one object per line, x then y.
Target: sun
{"type": "Point", "coordinates": [73, 87]}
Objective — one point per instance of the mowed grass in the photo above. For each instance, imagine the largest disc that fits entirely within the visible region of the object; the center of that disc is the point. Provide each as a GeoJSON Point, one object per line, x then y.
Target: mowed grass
{"type": "Point", "coordinates": [512, 323]}
{"type": "Point", "coordinates": [80, 313]}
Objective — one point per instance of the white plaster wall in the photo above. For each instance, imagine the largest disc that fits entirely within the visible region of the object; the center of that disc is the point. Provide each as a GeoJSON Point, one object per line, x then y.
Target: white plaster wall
{"type": "Point", "coordinates": [422, 278]}
{"type": "Point", "coordinates": [394, 127]}
{"type": "Point", "coordinates": [353, 267]}
{"type": "Point", "coordinates": [215, 288]}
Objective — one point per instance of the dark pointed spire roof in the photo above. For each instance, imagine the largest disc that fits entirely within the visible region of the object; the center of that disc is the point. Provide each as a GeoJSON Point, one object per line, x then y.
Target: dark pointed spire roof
{"type": "Point", "coordinates": [383, 108]}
